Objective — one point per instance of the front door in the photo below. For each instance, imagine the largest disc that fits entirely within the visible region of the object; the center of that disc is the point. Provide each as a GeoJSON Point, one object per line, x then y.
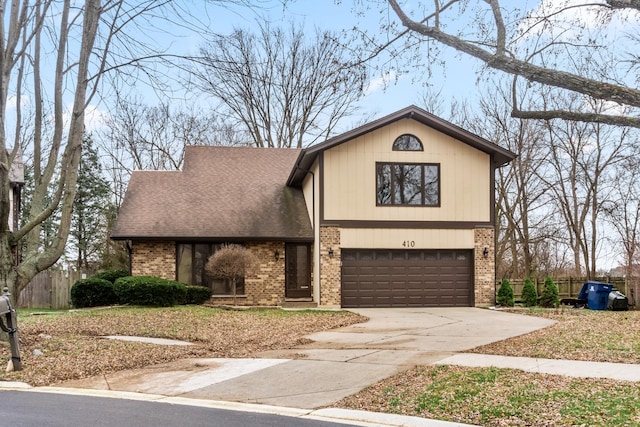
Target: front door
{"type": "Point", "coordinates": [298, 270]}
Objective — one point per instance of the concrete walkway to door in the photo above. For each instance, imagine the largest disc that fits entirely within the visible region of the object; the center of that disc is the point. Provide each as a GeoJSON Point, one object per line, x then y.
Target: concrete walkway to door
{"type": "Point", "coordinates": [334, 365]}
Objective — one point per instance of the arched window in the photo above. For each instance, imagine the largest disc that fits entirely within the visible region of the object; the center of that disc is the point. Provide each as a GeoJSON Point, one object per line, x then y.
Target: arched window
{"type": "Point", "coordinates": [407, 142]}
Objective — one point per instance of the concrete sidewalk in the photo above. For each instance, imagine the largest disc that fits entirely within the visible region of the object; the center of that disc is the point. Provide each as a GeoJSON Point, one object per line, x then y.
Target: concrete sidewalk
{"type": "Point", "coordinates": [569, 368]}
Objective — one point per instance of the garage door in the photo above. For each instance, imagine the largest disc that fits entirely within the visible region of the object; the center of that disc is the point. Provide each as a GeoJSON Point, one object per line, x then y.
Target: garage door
{"type": "Point", "coordinates": [407, 278]}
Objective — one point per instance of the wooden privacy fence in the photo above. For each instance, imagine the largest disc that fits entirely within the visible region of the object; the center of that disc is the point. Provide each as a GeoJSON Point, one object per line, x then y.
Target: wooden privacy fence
{"type": "Point", "coordinates": [569, 287]}
{"type": "Point", "coordinates": [49, 289]}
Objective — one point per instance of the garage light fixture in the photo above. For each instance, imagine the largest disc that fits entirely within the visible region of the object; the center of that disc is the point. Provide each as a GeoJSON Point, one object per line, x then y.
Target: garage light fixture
{"type": "Point", "coordinates": [485, 252]}
{"type": "Point", "coordinates": [276, 255]}
{"type": "Point", "coordinates": [330, 252]}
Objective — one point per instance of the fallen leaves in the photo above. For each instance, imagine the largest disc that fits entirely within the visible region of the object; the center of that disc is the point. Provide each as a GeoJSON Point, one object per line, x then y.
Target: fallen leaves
{"type": "Point", "coordinates": [70, 346]}
{"type": "Point", "coordinates": [504, 397]}
{"type": "Point", "coordinates": [501, 397]}
{"type": "Point", "coordinates": [598, 336]}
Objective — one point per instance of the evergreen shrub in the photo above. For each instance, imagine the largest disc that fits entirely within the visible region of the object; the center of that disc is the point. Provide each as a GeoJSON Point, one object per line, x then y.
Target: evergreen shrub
{"type": "Point", "coordinates": [549, 295]}
{"type": "Point", "coordinates": [149, 290]}
{"type": "Point", "coordinates": [92, 292]}
{"type": "Point", "coordinates": [505, 294]}
{"type": "Point", "coordinates": [198, 294]}
{"type": "Point", "coordinates": [111, 275]}
{"type": "Point", "coordinates": [529, 294]}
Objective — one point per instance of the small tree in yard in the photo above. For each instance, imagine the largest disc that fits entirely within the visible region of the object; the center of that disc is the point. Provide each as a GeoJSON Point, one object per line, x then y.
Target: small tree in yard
{"type": "Point", "coordinates": [549, 296]}
{"type": "Point", "coordinates": [232, 262]}
{"type": "Point", "coordinates": [529, 294]}
{"type": "Point", "coordinates": [505, 294]}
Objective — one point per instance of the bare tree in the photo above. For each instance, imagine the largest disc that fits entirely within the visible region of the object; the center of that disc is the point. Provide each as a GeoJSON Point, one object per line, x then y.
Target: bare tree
{"type": "Point", "coordinates": [232, 262]}
{"type": "Point", "coordinates": [522, 214]}
{"type": "Point", "coordinates": [142, 137]}
{"type": "Point", "coordinates": [56, 154]}
{"type": "Point", "coordinates": [623, 214]}
{"type": "Point", "coordinates": [281, 88]}
{"type": "Point", "coordinates": [559, 44]}
{"type": "Point", "coordinates": [521, 194]}
{"type": "Point", "coordinates": [56, 53]}
{"type": "Point", "coordinates": [585, 158]}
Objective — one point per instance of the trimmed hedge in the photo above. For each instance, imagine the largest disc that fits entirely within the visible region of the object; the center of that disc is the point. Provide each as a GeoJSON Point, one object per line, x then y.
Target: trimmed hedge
{"type": "Point", "coordinates": [111, 275]}
{"type": "Point", "coordinates": [148, 290]}
{"type": "Point", "coordinates": [198, 294]}
{"type": "Point", "coordinates": [93, 292]}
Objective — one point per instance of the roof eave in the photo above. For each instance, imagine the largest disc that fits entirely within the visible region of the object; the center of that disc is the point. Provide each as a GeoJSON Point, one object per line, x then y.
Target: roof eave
{"type": "Point", "coordinates": [298, 172]}
{"type": "Point", "coordinates": [214, 238]}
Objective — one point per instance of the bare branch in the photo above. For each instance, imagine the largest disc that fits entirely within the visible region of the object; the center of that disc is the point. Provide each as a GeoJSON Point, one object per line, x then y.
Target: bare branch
{"type": "Point", "coordinates": [498, 57]}
{"type": "Point", "coordinates": [578, 117]}
{"type": "Point", "coordinates": [624, 4]}
{"type": "Point", "coordinates": [283, 90]}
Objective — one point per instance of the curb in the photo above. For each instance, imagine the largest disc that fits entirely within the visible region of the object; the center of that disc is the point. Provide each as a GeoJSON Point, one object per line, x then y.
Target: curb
{"type": "Point", "coordinates": [359, 418]}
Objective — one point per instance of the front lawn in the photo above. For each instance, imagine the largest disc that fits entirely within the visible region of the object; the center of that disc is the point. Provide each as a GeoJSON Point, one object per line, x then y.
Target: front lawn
{"type": "Point", "coordinates": [506, 397]}
{"type": "Point", "coordinates": [71, 347]}
{"type": "Point", "coordinates": [580, 334]}
{"type": "Point", "coordinates": [502, 397]}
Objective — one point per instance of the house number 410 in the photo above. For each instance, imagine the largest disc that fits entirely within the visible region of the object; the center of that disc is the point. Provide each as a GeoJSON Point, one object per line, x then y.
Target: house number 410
{"type": "Point", "coordinates": [409, 244]}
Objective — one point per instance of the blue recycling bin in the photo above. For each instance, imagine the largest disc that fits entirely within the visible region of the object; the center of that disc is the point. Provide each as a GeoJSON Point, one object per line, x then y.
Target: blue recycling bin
{"type": "Point", "coordinates": [598, 295]}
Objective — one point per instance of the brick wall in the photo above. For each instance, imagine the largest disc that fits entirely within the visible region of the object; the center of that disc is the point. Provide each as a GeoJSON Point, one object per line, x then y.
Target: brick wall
{"type": "Point", "coordinates": [330, 285]}
{"type": "Point", "coordinates": [266, 288]}
{"type": "Point", "coordinates": [154, 259]}
{"type": "Point", "coordinates": [484, 268]}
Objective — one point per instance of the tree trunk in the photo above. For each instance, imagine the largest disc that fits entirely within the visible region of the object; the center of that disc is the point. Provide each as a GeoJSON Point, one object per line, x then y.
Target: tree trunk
{"type": "Point", "coordinates": [233, 290]}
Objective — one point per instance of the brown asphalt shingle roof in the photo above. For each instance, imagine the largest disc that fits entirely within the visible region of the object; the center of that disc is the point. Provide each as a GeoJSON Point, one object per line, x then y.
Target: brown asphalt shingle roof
{"type": "Point", "coordinates": [223, 193]}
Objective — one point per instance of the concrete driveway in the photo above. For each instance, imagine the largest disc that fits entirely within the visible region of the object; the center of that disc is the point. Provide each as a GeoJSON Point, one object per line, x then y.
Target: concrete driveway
{"type": "Point", "coordinates": [334, 365]}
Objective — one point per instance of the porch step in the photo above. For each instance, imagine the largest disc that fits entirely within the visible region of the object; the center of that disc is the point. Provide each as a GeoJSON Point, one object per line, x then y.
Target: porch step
{"type": "Point", "coordinates": [299, 303]}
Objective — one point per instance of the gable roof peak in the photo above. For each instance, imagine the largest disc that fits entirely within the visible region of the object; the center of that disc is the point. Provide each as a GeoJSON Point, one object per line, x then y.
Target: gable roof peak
{"type": "Point", "coordinates": [501, 156]}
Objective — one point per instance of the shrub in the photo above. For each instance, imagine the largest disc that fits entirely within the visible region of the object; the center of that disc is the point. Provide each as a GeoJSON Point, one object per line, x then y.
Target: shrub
{"type": "Point", "coordinates": [148, 290]}
{"type": "Point", "coordinates": [232, 262]}
{"type": "Point", "coordinates": [549, 295]}
{"type": "Point", "coordinates": [505, 294]}
{"type": "Point", "coordinates": [198, 294]}
{"type": "Point", "coordinates": [92, 292]}
{"type": "Point", "coordinates": [529, 294]}
{"type": "Point", "coordinates": [111, 275]}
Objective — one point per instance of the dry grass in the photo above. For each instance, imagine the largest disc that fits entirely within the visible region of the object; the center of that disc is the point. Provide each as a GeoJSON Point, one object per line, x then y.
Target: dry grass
{"type": "Point", "coordinates": [501, 397]}
{"type": "Point", "coordinates": [72, 348]}
{"type": "Point", "coordinates": [506, 397]}
{"type": "Point", "coordinates": [597, 336]}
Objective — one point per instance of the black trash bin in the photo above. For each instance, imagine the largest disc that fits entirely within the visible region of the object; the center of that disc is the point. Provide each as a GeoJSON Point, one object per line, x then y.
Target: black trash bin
{"type": "Point", "coordinates": [618, 301]}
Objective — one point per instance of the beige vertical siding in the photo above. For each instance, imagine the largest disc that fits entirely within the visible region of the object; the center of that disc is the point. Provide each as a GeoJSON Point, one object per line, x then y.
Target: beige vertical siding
{"type": "Point", "coordinates": [311, 189]}
{"type": "Point", "coordinates": [385, 238]}
{"type": "Point", "coordinates": [350, 177]}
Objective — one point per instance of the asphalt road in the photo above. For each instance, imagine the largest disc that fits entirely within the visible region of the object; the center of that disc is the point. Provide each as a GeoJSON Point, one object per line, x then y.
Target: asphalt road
{"type": "Point", "coordinates": [29, 409]}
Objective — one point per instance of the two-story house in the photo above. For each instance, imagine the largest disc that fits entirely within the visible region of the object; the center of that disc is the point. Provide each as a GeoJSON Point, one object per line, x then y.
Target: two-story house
{"type": "Point", "coordinates": [399, 212]}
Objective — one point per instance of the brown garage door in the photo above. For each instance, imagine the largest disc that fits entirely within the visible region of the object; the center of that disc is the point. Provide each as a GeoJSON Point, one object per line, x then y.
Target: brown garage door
{"type": "Point", "coordinates": [407, 278]}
